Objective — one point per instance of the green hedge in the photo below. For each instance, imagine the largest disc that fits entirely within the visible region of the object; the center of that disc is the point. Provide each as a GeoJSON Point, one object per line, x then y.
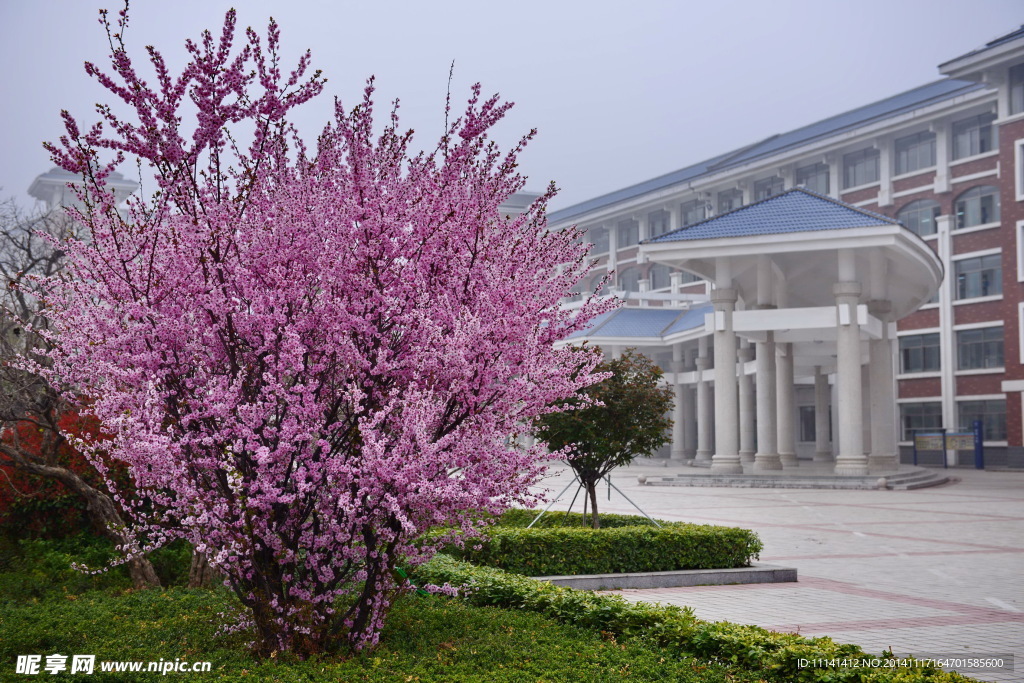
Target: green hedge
{"type": "Point", "coordinates": [772, 655]}
{"type": "Point", "coordinates": [580, 550]}
{"type": "Point", "coordinates": [517, 517]}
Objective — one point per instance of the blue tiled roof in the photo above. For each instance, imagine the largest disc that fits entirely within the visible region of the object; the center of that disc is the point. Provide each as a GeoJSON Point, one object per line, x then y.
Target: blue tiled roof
{"type": "Point", "coordinates": [689, 320]}
{"type": "Point", "coordinates": [892, 106]}
{"type": "Point", "coordinates": [797, 210]}
{"type": "Point", "coordinates": [645, 322]}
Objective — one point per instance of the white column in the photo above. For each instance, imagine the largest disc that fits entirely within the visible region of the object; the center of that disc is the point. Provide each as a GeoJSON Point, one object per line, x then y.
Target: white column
{"type": "Point", "coordinates": [942, 155]}
{"type": "Point", "coordinates": [822, 448]}
{"type": "Point", "coordinates": [613, 251]}
{"type": "Point", "coordinates": [746, 393]}
{"type": "Point", "coordinates": [643, 226]}
{"type": "Point", "coordinates": [884, 145]}
{"type": "Point", "coordinates": [884, 454]}
{"type": "Point", "coordinates": [785, 396]}
{"type": "Point", "coordinates": [767, 457]}
{"type": "Point", "coordinates": [690, 408]}
{"type": "Point", "coordinates": [704, 418]}
{"type": "Point", "coordinates": [678, 451]}
{"type": "Point", "coordinates": [727, 447]}
{"type": "Point", "coordinates": [851, 459]}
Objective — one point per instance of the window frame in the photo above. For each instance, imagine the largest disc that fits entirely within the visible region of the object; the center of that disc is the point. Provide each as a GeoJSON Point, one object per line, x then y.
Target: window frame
{"type": "Point", "coordinates": [628, 228]}
{"type": "Point", "coordinates": [869, 157]}
{"type": "Point", "coordinates": [925, 204]}
{"type": "Point", "coordinates": [1000, 435]}
{"type": "Point", "coordinates": [732, 207]}
{"type": "Point", "coordinates": [980, 258]}
{"type": "Point", "coordinates": [907, 153]}
{"type": "Point", "coordinates": [768, 187]}
{"type": "Point", "coordinates": [961, 211]}
{"type": "Point", "coordinates": [905, 434]}
{"type": "Point", "coordinates": [905, 349]}
{"type": "Point", "coordinates": [814, 171]}
{"type": "Point", "coordinates": [693, 205]}
{"type": "Point", "coordinates": [990, 338]}
{"type": "Point", "coordinates": [985, 141]}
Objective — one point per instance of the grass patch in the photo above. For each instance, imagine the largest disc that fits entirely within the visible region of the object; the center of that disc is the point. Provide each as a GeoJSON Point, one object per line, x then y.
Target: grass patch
{"type": "Point", "coordinates": [426, 639]}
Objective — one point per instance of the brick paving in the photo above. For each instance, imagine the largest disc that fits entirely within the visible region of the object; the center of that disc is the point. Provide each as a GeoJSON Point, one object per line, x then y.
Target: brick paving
{"type": "Point", "coordinates": [930, 571]}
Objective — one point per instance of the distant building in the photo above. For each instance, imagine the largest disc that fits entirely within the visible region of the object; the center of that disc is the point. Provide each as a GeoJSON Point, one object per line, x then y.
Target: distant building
{"type": "Point", "coordinates": [947, 161]}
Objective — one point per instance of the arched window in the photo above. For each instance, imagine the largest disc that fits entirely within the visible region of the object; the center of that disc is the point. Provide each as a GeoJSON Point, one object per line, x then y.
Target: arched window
{"type": "Point", "coordinates": [977, 206]}
{"type": "Point", "coordinates": [629, 279]}
{"type": "Point", "coordinates": [920, 216]}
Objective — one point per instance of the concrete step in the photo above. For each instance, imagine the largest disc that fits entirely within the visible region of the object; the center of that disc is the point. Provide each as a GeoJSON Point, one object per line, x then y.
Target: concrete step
{"type": "Point", "coordinates": [906, 479]}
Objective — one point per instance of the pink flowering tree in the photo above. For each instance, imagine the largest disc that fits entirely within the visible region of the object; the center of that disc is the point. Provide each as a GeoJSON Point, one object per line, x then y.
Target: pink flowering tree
{"type": "Point", "coordinates": [306, 357]}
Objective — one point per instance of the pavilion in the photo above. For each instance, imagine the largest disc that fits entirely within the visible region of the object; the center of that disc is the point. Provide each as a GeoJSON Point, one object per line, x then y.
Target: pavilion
{"type": "Point", "coordinates": [805, 291]}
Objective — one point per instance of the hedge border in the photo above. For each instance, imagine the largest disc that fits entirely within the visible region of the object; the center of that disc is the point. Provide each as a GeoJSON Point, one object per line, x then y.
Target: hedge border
{"type": "Point", "coordinates": [773, 655]}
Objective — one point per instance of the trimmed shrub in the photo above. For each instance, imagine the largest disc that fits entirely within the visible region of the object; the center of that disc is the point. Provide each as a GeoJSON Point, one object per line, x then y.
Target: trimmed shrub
{"type": "Point", "coordinates": [774, 656]}
{"type": "Point", "coordinates": [517, 517]}
{"type": "Point", "coordinates": [580, 550]}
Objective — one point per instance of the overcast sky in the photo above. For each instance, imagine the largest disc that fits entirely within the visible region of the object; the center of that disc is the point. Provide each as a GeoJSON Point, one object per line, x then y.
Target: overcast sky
{"type": "Point", "coordinates": [620, 91]}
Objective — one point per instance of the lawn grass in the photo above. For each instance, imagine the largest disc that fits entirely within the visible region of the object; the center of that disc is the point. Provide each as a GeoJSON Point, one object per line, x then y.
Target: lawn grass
{"type": "Point", "coordinates": [426, 639]}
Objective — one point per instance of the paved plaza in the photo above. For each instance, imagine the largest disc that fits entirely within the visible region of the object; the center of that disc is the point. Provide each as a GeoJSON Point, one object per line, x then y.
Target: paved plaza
{"type": "Point", "coordinates": [936, 571]}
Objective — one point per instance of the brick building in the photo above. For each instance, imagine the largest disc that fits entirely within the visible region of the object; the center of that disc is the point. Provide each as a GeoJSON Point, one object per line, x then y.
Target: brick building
{"type": "Point", "coordinates": [947, 161]}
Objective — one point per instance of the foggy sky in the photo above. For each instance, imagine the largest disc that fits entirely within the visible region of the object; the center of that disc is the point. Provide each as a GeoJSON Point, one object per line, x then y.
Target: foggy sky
{"type": "Point", "coordinates": [620, 91]}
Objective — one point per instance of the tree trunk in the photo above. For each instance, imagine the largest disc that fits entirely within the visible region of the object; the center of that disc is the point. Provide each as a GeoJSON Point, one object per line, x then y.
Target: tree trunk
{"type": "Point", "coordinates": [103, 512]}
{"type": "Point", "coordinates": [200, 573]}
{"type": "Point", "coordinates": [592, 494]}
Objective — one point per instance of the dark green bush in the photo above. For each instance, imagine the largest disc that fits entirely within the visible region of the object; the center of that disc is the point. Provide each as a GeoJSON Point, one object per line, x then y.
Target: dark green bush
{"type": "Point", "coordinates": [32, 568]}
{"type": "Point", "coordinates": [774, 656]}
{"type": "Point", "coordinates": [557, 550]}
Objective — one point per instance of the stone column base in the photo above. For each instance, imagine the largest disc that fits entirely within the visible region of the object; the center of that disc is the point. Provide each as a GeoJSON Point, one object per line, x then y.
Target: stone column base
{"type": "Point", "coordinates": [746, 457]}
{"type": "Point", "coordinates": [703, 455]}
{"type": "Point", "coordinates": [788, 460]}
{"type": "Point", "coordinates": [851, 465]}
{"type": "Point", "coordinates": [767, 462]}
{"type": "Point", "coordinates": [726, 464]}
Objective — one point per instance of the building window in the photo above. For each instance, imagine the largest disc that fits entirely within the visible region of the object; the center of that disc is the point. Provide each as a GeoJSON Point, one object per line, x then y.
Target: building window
{"type": "Point", "coordinates": [658, 223]}
{"type": "Point", "coordinates": [979, 276]}
{"type": "Point", "coordinates": [730, 200]}
{"type": "Point", "coordinates": [628, 233]}
{"type": "Point", "coordinates": [629, 280]}
{"type": "Point", "coordinates": [975, 135]}
{"type": "Point", "coordinates": [978, 206]}
{"type": "Point", "coordinates": [915, 152]}
{"type": "Point", "coordinates": [692, 212]}
{"type": "Point", "coordinates": [991, 412]}
{"type": "Point", "coordinates": [768, 187]}
{"type": "Point", "coordinates": [660, 276]}
{"type": "Point", "coordinates": [920, 216]}
{"type": "Point", "coordinates": [813, 177]}
{"type": "Point", "coordinates": [979, 349]}
{"type": "Point", "coordinates": [918, 417]}
{"type": "Point", "coordinates": [689, 278]}
{"type": "Point", "coordinates": [919, 353]}
{"type": "Point", "coordinates": [860, 168]}
{"type": "Point", "coordinates": [598, 236]}
{"type": "Point", "coordinates": [1016, 89]}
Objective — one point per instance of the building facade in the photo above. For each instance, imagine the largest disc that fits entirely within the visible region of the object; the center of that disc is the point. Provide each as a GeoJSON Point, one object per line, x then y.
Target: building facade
{"type": "Point", "coordinates": [947, 161]}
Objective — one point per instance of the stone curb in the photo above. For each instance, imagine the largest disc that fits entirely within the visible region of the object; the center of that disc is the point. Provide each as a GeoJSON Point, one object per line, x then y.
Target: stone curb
{"type": "Point", "coordinates": [756, 573]}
